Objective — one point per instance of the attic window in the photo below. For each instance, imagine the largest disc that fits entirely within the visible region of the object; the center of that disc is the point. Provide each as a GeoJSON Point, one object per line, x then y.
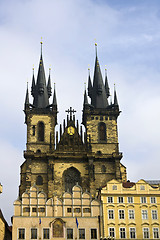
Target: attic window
{"type": "Point", "coordinates": [114, 187]}
{"type": "Point", "coordinates": [142, 187]}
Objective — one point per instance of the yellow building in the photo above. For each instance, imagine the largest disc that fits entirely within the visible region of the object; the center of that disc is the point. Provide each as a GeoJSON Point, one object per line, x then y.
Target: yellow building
{"type": "Point", "coordinates": [1, 188]}
{"type": "Point", "coordinates": [131, 210]}
{"type": "Point", "coordinates": [75, 216]}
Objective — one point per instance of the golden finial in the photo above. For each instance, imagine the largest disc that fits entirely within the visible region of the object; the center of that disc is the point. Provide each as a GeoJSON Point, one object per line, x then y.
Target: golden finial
{"type": "Point", "coordinates": [106, 67]}
{"type": "Point", "coordinates": [49, 69]}
{"type": "Point", "coordinates": [41, 41]}
{"type": "Point", "coordinates": [84, 86]}
{"type": "Point", "coordinates": [96, 46]}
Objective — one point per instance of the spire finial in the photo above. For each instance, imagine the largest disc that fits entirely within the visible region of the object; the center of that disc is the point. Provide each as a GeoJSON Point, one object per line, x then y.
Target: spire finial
{"type": "Point", "coordinates": [33, 68]}
{"type": "Point", "coordinates": [49, 69]}
{"type": "Point", "coordinates": [41, 45]}
{"type": "Point", "coordinates": [96, 47]}
{"type": "Point", "coordinates": [105, 70]}
{"type": "Point", "coordinates": [85, 86]}
{"type": "Point", "coordinates": [88, 69]}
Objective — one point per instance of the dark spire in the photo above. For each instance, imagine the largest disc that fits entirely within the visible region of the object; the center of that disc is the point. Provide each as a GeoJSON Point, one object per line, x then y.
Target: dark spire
{"type": "Point", "coordinates": [115, 97]}
{"type": "Point", "coordinates": [26, 104]}
{"type": "Point", "coordinates": [41, 99]}
{"type": "Point", "coordinates": [99, 97]}
{"type": "Point", "coordinates": [85, 98]}
{"type": "Point", "coordinates": [33, 84]}
{"type": "Point", "coordinates": [89, 84]}
{"type": "Point", "coordinates": [49, 89]}
{"type": "Point", "coordinates": [54, 96]}
{"type": "Point", "coordinates": [106, 84]}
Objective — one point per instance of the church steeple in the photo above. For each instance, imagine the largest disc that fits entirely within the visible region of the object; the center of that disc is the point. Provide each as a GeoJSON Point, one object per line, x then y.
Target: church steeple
{"type": "Point", "coordinates": [41, 99]}
{"type": "Point", "coordinates": [99, 96]}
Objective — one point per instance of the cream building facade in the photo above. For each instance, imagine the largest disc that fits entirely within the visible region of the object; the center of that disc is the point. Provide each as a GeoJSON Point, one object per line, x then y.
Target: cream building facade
{"type": "Point", "coordinates": [131, 210]}
{"type": "Point", "coordinates": [75, 216]}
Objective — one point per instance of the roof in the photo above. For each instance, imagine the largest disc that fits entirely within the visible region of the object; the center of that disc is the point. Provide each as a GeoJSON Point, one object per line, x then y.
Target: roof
{"type": "Point", "coordinates": [153, 182]}
{"type": "Point", "coordinates": [128, 184]}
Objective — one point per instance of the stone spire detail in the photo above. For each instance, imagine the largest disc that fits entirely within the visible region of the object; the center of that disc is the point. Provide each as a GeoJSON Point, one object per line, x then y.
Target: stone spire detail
{"type": "Point", "coordinates": [26, 104]}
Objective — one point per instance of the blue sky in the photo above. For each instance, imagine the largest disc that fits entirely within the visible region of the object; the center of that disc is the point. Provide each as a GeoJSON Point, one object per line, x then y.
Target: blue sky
{"type": "Point", "coordinates": [128, 37]}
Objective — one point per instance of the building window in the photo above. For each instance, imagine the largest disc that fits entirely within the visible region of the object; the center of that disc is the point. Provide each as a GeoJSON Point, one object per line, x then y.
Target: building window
{"type": "Point", "coordinates": [39, 180]}
{"type": "Point", "coordinates": [143, 200]}
{"type": "Point", "coordinates": [77, 210]}
{"type": "Point", "coordinates": [153, 200]}
{"type": "Point", "coordinates": [41, 131]}
{"type": "Point", "coordinates": [110, 214]}
{"type": "Point", "coordinates": [26, 209]}
{"type": "Point", "coordinates": [102, 131]}
{"type": "Point", "coordinates": [103, 168]}
{"type": "Point", "coordinates": [33, 129]}
{"type": "Point", "coordinates": [21, 233]}
{"type": "Point", "coordinates": [131, 214]}
{"type": "Point", "coordinates": [34, 209]}
{"type": "Point", "coordinates": [81, 233]}
{"type": "Point", "coordinates": [122, 232]}
{"type": "Point", "coordinates": [144, 214]}
{"type": "Point", "coordinates": [142, 187]}
{"type": "Point", "coordinates": [130, 199]}
{"type": "Point", "coordinates": [114, 187]}
{"type": "Point", "coordinates": [94, 233]}
{"type": "Point", "coordinates": [121, 214]}
{"type": "Point", "coordinates": [110, 199]}
{"type": "Point", "coordinates": [132, 232]}
{"type": "Point", "coordinates": [71, 177]}
{"type": "Point", "coordinates": [86, 210]}
{"type": "Point", "coordinates": [111, 232]}
{"type": "Point", "coordinates": [46, 233]}
{"type": "Point", "coordinates": [120, 199]}
{"type": "Point", "coordinates": [154, 214]}
{"type": "Point", "coordinates": [42, 209]}
{"type": "Point", "coordinates": [33, 233]}
{"type": "Point", "coordinates": [69, 210]}
{"type": "Point", "coordinates": [155, 233]}
{"type": "Point", "coordinates": [145, 232]}
{"type": "Point", "coordinates": [69, 233]}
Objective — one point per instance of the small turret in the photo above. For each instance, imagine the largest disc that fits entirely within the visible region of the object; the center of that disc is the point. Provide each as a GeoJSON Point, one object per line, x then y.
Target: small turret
{"type": "Point", "coordinates": [106, 84]}
{"type": "Point", "coordinates": [49, 89]}
{"type": "Point", "coordinates": [26, 104]}
{"type": "Point", "coordinates": [115, 97]}
{"type": "Point", "coordinates": [89, 85]}
{"type": "Point", "coordinates": [33, 85]}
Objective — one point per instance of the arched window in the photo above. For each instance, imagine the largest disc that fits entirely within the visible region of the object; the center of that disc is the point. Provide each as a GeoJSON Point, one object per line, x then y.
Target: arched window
{"type": "Point", "coordinates": [39, 180]}
{"type": "Point", "coordinates": [103, 168]}
{"type": "Point", "coordinates": [102, 131]}
{"type": "Point", "coordinates": [71, 177]}
{"type": "Point", "coordinates": [41, 131]}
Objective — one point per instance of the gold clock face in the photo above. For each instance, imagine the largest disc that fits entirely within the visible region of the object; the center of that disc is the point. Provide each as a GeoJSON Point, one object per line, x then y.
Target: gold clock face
{"type": "Point", "coordinates": [70, 130]}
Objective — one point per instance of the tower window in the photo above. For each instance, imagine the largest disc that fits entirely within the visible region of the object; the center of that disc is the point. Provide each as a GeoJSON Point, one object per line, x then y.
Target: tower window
{"type": "Point", "coordinates": [41, 131]}
{"type": "Point", "coordinates": [33, 129]}
{"type": "Point", "coordinates": [103, 168]}
{"type": "Point", "coordinates": [102, 131]}
{"type": "Point", "coordinates": [39, 180]}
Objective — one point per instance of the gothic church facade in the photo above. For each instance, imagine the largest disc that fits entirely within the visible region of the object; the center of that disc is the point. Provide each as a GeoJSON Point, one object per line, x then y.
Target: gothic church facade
{"type": "Point", "coordinates": [56, 162]}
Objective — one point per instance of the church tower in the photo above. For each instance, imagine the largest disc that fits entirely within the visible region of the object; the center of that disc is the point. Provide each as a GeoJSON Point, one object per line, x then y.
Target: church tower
{"type": "Point", "coordinates": [40, 118]}
{"type": "Point", "coordinates": [57, 161]}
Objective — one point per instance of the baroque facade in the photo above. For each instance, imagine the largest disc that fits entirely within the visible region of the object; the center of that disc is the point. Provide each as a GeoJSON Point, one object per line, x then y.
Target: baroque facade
{"type": "Point", "coordinates": [131, 210]}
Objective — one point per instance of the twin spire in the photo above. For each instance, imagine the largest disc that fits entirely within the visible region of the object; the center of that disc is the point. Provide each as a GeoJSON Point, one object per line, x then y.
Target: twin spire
{"type": "Point", "coordinates": [40, 91]}
{"type": "Point", "coordinates": [99, 92]}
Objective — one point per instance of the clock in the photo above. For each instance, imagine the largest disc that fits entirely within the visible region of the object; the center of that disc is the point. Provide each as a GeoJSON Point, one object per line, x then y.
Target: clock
{"type": "Point", "coordinates": [70, 130]}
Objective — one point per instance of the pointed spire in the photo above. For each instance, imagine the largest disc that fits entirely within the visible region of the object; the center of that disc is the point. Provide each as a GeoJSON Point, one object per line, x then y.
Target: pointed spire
{"type": "Point", "coordinates": [85, 97]}
{"type": "Point", "coordinates": [49, 89]}
{"type": "Point", "coordinates": [99, 96]}
{"type": "Point", "coordinates": [106, 84]}
{"type": "Point", "coordinates": [89, 84]}
{"type": "Point", "coordinates": [41, 99]}
{"type": "Point", "coordinates": [115, 97]}
{"type": "Point", "coordinates": [33, 84]}
{"type": "Point", "coordinates": [26, 104]}
{"type": "Point", "coordinates": [54, 96]}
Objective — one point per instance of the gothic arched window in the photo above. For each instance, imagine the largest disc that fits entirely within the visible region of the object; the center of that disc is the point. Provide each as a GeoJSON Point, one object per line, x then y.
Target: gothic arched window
{"type": "Point", "coordinates": [39, 180]}
{"type": "Point", "coordinates": [71, 177]}
{"type": "Point", "coordinates": [102, 131]}
{"type": "Point", "coordinates": [41, 131]}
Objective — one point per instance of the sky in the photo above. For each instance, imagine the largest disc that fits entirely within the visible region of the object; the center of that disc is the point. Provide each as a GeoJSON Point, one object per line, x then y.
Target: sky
{"type": "Point", "coordinates": [127, 33]}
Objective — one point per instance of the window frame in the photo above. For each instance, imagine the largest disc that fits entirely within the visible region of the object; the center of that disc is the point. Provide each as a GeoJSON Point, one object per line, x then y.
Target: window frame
{"type": "Point", "coordinates": [24, 233]}
{"type": "Point", "coordinates": [144, 214]}
{"type": "Point", "coordinates": [111, 198]}
{"type": "Point", "coordinates": [82, 229]}
{"type": "Point", "coordinates": [153, 201]}
{"type": "Point", "coordinates": [120, 199]}
{"type": "Point", "coordinates": [146, 232]}
{"type": "Point", "coordinates": [122, 232]}
{"type": "Point", "coordinates": [110, 215]}
{"type": "Point", "coordinates": [68, 234]}
{"type": "Point", "coordinates": [157, 232]}
{"type": "Point", "coordinates": [110, 232]}
{"type": "Point", "coordinates": [130, 197]}
{"type": "Point", "coordinates": [32, 233]}
{"type": "Point", "coordinates": [48, 234]}
{"type": "Point", "coordinates": [131, 214]}
{"type": "Point", "coordinates": [143, 200]}
{"type": "Point", "coordinates": [134, 232]}
{"type": "Point", "coordinates": [154, 214]}
{"type": "Point", "coordinates": [93, 234]}
{"type": "Point", "coordinates": [121, 214]}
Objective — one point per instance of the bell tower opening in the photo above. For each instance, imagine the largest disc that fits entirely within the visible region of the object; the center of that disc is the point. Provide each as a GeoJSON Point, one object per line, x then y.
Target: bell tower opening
{"type": "Point", "coordinates": [71, 177]}
{"type": "Point", "coordinates": [102, 131]}
{"type": "Point", "coordinates": [41, 131]}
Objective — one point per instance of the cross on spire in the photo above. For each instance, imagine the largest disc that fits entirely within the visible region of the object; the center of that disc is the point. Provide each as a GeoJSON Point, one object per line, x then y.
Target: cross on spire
{"type": "Point", "coordinates": [70, 111]}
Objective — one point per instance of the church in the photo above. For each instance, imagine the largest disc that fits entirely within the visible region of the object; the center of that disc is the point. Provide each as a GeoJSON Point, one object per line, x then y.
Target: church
{"type": "Point", "coordinates": [63, 171]}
